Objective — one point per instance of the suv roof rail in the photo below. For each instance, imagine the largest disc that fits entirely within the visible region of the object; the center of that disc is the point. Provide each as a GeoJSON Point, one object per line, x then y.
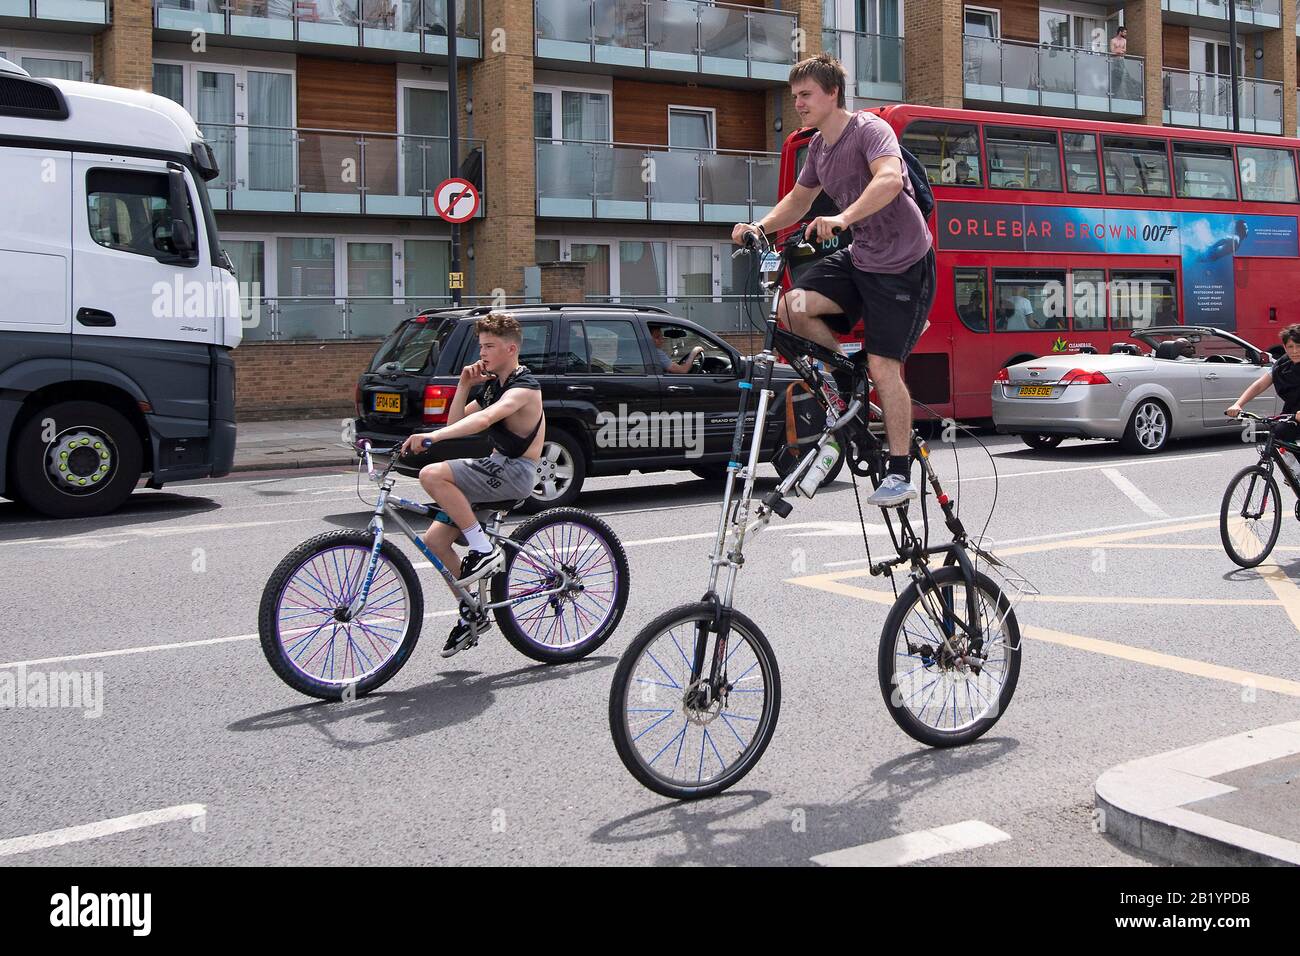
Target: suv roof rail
{"type": "Point", "coordinates": [549, 306]}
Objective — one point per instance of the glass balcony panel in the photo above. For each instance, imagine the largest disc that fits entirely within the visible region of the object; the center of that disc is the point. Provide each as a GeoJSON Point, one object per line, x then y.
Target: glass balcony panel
{"type": "Point", "coordinates": [764, 174]}
{"type": "Point", "coordinates": [724, 37]}
{"type": "Point", "coordinates": [563, 29]}
{"type": "Point", "coordinates": [566, 179]}
{"type": "Point", "coordinates": [79, 11]}
{"type": "Point", "coordinates": [620, 182]}
{"type": "Point", "coordinates": [310, 318]}
{"type": "Point", "coordinates": [1056, 66]}
{"type": "Point", "coordinates": [469, 27]}
{"type": "Point", "coordinates": [265, 19]}
{"type": "Point", "coordinates": [982, 68]}
{"type": "Point", "coordinates": [675, 186]}
{"type": "Point", "coordinates": [725, 187]}
{"type": "Point", "coordinates": [771, 44]}
{"type": "Point", "coordinates": [878, 66]}
{"type": "Point", "coordinates": [187, 15]}
{"type": "Point", "coordinates": [672, 32]}
{"type": "Point", "coordinates": [391, 24]}
{"type": "Point", "coordinates": [329, 21]}
{"type": "Point", "coordinates": [329, 171]}
{"type": "Point", "coordinates": [370, 318]}
{"type": "Point", "coordinates": [1020, 73]}
{"type": "Point", "coordinates": [620, 32]}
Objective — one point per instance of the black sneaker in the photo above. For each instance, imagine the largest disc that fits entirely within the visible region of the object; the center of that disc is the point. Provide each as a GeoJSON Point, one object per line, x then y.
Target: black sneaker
{"type": "Point", "coordinates": [477, 564]}
{"type": "Point", "coordinates": [461, 637]}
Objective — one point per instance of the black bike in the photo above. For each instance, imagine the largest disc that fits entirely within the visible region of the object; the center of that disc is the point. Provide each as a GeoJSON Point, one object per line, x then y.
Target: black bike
{"type": "Point", "coordinates": [695, 697]}
{"type": "Point", "coordinates": [1251, 514]}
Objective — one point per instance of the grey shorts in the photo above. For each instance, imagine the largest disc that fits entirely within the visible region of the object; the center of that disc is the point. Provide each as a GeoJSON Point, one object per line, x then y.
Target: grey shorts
{"type": "Point", "coordinates": [494, 478]}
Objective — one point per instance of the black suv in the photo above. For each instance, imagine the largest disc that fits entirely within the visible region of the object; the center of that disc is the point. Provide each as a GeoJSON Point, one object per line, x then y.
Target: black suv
{"type": "Point", "coordinates": [609, 410]}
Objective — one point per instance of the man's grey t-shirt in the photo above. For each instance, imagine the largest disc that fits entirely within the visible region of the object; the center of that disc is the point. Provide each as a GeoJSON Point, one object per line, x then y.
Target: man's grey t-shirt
{"type": "Point", "coordinates": [892, 239]}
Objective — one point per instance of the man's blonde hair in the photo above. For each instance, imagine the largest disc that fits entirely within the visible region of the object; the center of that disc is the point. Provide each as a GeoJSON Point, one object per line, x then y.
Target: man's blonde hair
{"type": "Point", "coordinates": [824, 70]}
{"type": "Point", "coordinates": [502, 325]}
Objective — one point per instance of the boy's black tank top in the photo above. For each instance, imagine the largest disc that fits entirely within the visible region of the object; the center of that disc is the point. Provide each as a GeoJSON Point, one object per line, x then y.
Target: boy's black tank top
{"type": "Point", "coordinates": [503, 439]}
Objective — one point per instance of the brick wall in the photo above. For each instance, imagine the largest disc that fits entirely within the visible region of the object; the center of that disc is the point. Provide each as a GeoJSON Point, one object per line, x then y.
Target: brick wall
{"type": "Point", "coordinates": [280, 380]}
{"type": "Point", "coordinates": [1146, 39]}
{"type": "Point", "coordinates": [124, 52]}
{"type": "Point", "coordinates": [933, 54]}
{"type": "Point", "coordinates": [1280, 64]}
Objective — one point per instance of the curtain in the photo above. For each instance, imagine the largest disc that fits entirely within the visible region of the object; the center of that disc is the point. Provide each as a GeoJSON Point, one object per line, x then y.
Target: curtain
{"type": "Point", "coordinates": [426, 161]}
{"type": "Point", "coordinates": [270, 151]}
{"type": "Point", "coordinates": [54, 69]}
{"type": "Point", "coordinates": [427, 262]}
{"type": "Point", "coordinates": [596, 279]}
{"type": "Point", "coordinates": [642, 268]}
{"type": "Point", "coordinates": [694, 270]}
{"type": "Point", "coordinates": [215, 104]}
{"type": "Point", "coordinates": [169, 81]}
{"type": "Point", "coordinates": [586, 116]}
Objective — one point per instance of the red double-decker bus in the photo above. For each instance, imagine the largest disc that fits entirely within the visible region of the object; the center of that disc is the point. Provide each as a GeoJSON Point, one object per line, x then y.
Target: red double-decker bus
{"type": "Point", "coordinates": [1056, 234]}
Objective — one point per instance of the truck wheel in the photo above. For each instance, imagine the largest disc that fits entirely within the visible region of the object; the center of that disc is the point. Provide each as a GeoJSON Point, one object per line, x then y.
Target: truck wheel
{"type": "Point", "coordinates": [560, 474]}
{"type": "Point", "coordinates": [89, 465]}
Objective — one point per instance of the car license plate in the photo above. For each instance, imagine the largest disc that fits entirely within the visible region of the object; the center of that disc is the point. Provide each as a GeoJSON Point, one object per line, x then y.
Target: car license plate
{"type": "Point", "coordinates": [771, 262]}
{"type": "Point", "coordinates": [388, 402]}
{"type": "Point", "coordinates": [1034, 391]}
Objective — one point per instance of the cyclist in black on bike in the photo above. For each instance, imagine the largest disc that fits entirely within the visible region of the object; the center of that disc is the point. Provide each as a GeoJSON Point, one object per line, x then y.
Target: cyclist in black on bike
{"type": "Point", "coordinates": [1284, 376]}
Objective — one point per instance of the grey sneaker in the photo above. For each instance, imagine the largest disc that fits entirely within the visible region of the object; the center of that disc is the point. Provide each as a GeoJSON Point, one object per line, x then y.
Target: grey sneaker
{"type": "Point", "coordinates": [894, 491]}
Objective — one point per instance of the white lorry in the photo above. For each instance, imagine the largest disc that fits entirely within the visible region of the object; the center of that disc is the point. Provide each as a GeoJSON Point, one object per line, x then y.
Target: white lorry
{"type": "Point", "coordinates": [118, 307]}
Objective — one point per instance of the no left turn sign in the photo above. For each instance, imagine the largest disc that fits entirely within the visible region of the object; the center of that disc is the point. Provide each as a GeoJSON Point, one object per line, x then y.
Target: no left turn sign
{"type": "Point", "coordinates": [456, 200]}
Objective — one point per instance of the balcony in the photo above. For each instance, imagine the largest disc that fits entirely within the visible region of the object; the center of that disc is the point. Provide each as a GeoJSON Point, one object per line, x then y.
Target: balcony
{"type": "Point", "coordinates": [297, 318]}
{"type": "Point", "coordinates": [1205, 101]}
{"type": "Point", "coordinates": [584, 180]}
{"type": "Point", "coordinates": [874, 63]}
{"type": "Point", "coordinates": [1044, 77]}
{"type": "Point", "coordinates": [279, 169]}
{"type": "Point", "coordinates": [405, 26]}
{"type": "Point", "coordinates": [1253, 15]}
{"type": "Point", "coordinates": [87, 14]}
{"type": "Point", "coordinates": [677, 37]}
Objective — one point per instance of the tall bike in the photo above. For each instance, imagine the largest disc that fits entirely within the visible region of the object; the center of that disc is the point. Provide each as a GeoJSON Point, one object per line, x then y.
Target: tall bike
{"type": "Point", "coordinates": [696, 695]}
{"type": "Point", "coordinates": [1250, 516]}
{"type": "Point", "coordinates": [342, 612]}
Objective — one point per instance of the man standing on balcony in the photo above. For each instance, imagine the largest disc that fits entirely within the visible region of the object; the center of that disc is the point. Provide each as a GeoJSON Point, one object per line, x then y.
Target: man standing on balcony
{"type": "Point", "coordinates": [1118, 50]}
{"type": "Point", "coordinates": [886, 276]}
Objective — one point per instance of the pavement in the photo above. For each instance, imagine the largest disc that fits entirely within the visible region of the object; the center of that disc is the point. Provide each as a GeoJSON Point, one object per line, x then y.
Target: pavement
{"type": "Point", "coordinates": [1143, 639]}
{"type": "Point", "coordinates": [300, 443]}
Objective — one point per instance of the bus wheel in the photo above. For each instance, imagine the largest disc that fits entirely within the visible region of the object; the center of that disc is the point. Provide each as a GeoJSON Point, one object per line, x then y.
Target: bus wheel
{"type": "Point", "coordinates": [1042, 442]}
{"type": "Point", "coordinates": [75, 460]}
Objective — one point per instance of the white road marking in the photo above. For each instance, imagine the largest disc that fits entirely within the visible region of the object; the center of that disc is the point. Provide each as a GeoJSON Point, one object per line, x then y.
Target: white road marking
{"type": "Point", "coordinates": [103, 828]}
{"type": "Point", "coordinates": [1134, 494]}
{"type": "Point", "coordinates": [149, 648]}
{"type": "Point", "coordinates": [107, 539]}
{"type": "Point", "coordinates": [1154, 460]}
{"type": "Point", "coordinates": [915, 847]}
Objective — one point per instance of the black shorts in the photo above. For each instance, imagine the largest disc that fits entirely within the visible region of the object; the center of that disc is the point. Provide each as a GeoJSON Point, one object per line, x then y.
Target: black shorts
{"type": "Point", "coordinates": [893, 308]}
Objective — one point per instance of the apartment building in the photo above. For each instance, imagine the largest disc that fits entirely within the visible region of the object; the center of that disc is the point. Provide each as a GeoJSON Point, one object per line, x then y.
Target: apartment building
{"type": "Point", "coordinates": [622, 135]}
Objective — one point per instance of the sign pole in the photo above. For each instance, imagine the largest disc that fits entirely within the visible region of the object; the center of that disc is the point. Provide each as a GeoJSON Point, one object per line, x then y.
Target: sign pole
{"type": "Point", "coordinates": [453, 135]}
{"type": "Point", "coordinates": [1232, 61]}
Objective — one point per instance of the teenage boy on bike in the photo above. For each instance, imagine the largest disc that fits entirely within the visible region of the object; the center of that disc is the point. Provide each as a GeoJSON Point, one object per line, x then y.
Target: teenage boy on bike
{"type": "Point", "coordinates": [497, 395]}
{"type": "Point", "coordinates": [1284, 376]}
{"type": "Point", "coordinates": [886, 276]}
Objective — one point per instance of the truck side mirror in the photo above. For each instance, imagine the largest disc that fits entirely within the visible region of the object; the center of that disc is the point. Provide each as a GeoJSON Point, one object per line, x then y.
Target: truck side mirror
{"type": "Point", "coordinates": [178, 199]}
{"type": "Point", "coordinates": [182, 237]}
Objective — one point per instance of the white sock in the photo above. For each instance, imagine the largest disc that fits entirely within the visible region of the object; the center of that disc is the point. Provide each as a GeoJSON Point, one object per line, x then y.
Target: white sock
{"type": "Point", "coordinates": [477, 539]}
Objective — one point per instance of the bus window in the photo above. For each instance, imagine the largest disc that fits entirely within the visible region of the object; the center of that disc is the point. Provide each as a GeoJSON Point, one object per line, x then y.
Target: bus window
{"type": "Point", "coordinates": [1139, 300]}
{"type": "Point", "coordinates": [950, 152]}
{"type": "Point", "coordinates": [1203, 171]}
{"type": "Point", "coordinates": [1267, 175]}
{"type": "Point", "coordinates": [1022, 159]}
{"type": "Point", "coordinates": [1029, 301]}
{"type": "Point", "coordinates": [1088, 300]}
{"type": "Point", "coordinates": [1082, 173]}
{"type": "Point", "coordinates": [970, 293]}
{"type": "Point", "coordinates": [1136, 167]}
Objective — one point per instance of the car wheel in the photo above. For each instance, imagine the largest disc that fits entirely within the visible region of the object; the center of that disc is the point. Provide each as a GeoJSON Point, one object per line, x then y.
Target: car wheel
{"type": "Point", "coordinates": [1042, 442]}
{"type": "Point", "coordinates": [1148, 428]}
{"type": "Point", "coordinates": [76, 460]}
{"type": "Point", "coordinates": [560, 473]}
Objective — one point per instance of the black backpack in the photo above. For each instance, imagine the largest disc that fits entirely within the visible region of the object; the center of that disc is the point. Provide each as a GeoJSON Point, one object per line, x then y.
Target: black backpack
{"type": "Point", "coordinates": [920, 182]}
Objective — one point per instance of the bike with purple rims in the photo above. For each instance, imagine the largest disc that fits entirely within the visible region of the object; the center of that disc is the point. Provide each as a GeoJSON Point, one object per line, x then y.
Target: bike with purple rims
{"type": "Point", "coordinates": [342, 612]}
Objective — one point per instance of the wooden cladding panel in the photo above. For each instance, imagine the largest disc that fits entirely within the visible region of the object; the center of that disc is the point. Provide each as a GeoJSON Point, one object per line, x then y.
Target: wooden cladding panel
{"type": "Point", "coordinates": [641, 112]}
{"type": "Point", "coordinates": [1176, 47]}
{"type": "Point", "coordinates": [335, 94]}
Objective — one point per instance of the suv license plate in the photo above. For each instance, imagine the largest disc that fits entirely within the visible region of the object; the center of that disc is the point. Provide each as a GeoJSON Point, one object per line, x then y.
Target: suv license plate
{"type": "Point", "coordinates": [388, 402]}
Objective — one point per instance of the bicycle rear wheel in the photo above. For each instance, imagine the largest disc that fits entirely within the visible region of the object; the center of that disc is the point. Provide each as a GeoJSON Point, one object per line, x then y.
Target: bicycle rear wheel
{"type": "Point", "coordinates": [664, 734]}
{"type": "Point", "coordinates": [941, 688]}
{"type": "Point", "coordinates": [299, 621]}
{"type": "Point", "coordinates": [1250, 516]}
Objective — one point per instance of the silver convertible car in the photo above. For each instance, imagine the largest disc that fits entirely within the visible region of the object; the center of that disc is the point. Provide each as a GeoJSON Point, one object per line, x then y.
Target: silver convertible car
{"type": "Point", "coordinates": [1169, 382]}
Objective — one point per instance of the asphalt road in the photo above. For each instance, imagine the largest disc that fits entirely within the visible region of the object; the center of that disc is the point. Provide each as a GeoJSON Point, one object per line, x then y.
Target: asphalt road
{"type": "Point", "coordinates": [1144, 638]}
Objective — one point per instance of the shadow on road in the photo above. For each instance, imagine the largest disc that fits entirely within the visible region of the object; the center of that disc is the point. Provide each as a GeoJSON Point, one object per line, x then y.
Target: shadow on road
{"type": "Point", "coordinates": [869, 812]}
{"type": "Point", "coordinates": [141, 508]}
{"type": "Point", "coordinates": [451, 698]}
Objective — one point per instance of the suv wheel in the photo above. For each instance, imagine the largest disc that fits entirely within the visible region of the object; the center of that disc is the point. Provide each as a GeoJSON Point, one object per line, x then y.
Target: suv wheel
{"type": "Point", "coordinates": [560, 473]}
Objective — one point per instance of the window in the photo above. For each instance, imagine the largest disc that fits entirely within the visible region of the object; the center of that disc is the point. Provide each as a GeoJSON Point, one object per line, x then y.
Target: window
{"type": "Point", "coordinates": [604, 346]}
{"type": "Point", "coordinates": [690, 128]}
{"type": "Point", "coordinates": [131, 212]}
{"type": "Point", "coordinates": [1136, 167]}
{"type": "Point", "coordinates": [1088, 300]}
{"type": "Point", "coordinates": [546, 250]}
{"type": "Point", "coordinates": [679, 340]}
{"type": "Point", "coordinates": [1062, 28]}
{"type": "Point", "coordinates": [971, 295]}
{"type": "Point", "coordinates": [51, 68]}
{"type": "Point", "coordinates": [534, 350]}
{"type": "Point", "coordinates": [169, 81]}
{"type": "Point", "coordinates": [950, 152]}
{"type": "Point", "coordinates": [248, 256]}
{"type": "Point", "coordinates": [1022, 159]}
{"type": "Point", "coordinates": [571, 114]}
{"type": "Point", "coordinates": [1082, 172]}
{"type": "Point", "coordinates": [596, 256]}
{"type": "Point", "coordinates": [1139, 300]}
{"type": "Point", "coordinates": [642, 268]}
{"type": "Point", "coordinates": [1029, 301]}
{"type": "Point", "coordinates": [425, 265]}
{"type": "Point", "coordinates": [541, 115]}
{"type": "Point", "coordinates": [306, 266]}
{"type": "Point", "coordinates": [1203, 171]}
{"type": "Point", "coordinates": [981, 22]}
{"type": "Point", "coordinates": [1267, 175]}
{"type": "Point", "coordinates": [412, 343]}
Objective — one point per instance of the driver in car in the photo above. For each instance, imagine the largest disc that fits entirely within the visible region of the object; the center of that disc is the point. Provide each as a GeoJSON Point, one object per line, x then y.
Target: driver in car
{"type": "Point", "coordinates": [666, 364]}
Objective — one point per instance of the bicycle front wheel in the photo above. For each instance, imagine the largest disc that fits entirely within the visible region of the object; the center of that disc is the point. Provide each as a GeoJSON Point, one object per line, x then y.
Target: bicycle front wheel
{"type": "Point", "coordinates": [674, 740]}
{"type": "Point", "coordinates": [1251, 516]}
{"type": "Point", "coordinates": [305, 635]}
{"type": "Point", "coordinates": [943, 686]}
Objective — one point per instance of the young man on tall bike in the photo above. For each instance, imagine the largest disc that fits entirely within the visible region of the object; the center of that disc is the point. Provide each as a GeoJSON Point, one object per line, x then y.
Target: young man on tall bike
{"type": "Point", "coordinates": [887, 274]}
{"type": "Point", "coordinates": [1284, 376]}
{"type": "Point", "coordinates": [497, 395]}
